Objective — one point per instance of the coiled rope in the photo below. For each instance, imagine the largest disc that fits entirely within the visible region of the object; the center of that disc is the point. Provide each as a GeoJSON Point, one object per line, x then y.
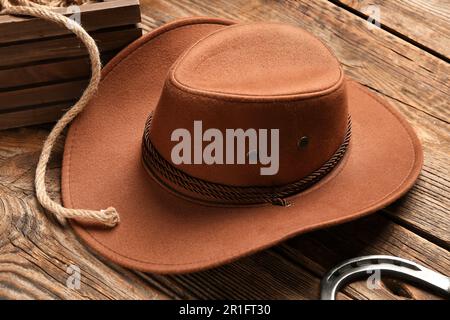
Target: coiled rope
{"type": "Point", "coordinates": [43, 9]}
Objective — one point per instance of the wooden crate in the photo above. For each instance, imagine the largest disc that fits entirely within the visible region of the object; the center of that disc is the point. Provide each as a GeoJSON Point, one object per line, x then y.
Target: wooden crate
{"type": "Point", "coordinates": [44, 68]}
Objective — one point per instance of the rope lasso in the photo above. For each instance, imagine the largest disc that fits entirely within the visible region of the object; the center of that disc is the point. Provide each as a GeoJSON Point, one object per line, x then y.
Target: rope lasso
{"type": "Point", "coordinates": [42, 9]}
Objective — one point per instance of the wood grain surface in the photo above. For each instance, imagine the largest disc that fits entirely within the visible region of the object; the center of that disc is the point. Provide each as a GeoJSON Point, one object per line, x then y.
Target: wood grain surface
{"type": "Point", "coordinates": [426, 23]}
{"type": "Point", "coordinates": [35, 251]}
{"type": "Point", "coordinates": [44, 94]}
{"type": "Point", "coordinates": [47, 72]}
{"type": "Point", "coordinates": [94, 16]}
{"type": "Point", "coordinates": [27, 116]}
{"type": "Point", "coordinates": [64, 46]}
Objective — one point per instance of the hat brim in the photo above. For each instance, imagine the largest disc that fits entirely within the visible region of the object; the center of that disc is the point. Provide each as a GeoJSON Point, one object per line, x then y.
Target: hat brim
{"type": "Point", "coordinates": [160, 232]}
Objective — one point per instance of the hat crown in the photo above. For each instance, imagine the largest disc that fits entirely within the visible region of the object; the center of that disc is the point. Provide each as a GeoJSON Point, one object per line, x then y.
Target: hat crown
{"type": "Point", "coordinates": [259, 76]}
{"type": "Point", "coordinates": [260, 60]}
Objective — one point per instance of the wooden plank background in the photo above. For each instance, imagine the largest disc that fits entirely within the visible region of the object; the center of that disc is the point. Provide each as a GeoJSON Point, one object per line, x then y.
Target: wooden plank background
{"type": "Point", "coordinates": [54, 71]}
{"type": "Point", "coordinates": [100, 15]}
{"type": "Point", "coordinates": [43, 65]}
{"type": "Point", "coordinates": [404, 66]}
{"type": "Point", "coordinates": [422, 22]}
{"type": "Point", "coordinates": [64, 46]}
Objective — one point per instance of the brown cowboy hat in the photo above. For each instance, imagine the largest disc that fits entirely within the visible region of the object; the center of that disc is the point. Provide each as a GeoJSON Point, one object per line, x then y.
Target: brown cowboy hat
{"type": "Point", "coordinates": [343, 152]}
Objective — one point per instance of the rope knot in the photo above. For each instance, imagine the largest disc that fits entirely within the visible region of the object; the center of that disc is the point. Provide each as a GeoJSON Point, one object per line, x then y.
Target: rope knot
{"type": "Point", "coordinates": [281, 202]}
{"type": "Point", "coordinates": [111, 216]}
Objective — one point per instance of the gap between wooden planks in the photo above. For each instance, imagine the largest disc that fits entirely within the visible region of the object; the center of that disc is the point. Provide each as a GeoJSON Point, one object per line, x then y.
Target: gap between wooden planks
{"type": "Point", "coordinates": [34, 115]}
{"type": "Point", "coordinates": [423, 23]}
{"type": "Point", "coordinates": [291, 270]}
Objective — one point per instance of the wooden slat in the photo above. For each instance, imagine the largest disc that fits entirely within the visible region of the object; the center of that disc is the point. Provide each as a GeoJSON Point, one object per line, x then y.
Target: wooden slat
{"type": "Point", "coordinates": [423, 22]}
{"type": "Point", "coordinates": [94, 16]}
{"type": "Point", "coordinates": [55, 71]}
{"type": "Point", "coordinates": [47, 72]}
{"type": "Point", "coordinates": [10, 100]}
{"type": "Point", "coordinates": [65, 46]}
{"type": "Point", "coordinates": [34, 115]}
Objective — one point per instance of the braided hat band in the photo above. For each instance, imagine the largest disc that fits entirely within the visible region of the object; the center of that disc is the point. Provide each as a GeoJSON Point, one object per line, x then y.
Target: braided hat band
{"type": "Point", "coordinates": [204, 191]}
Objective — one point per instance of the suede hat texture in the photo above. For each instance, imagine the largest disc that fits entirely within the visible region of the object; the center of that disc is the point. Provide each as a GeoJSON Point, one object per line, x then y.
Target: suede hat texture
{"type": "Point", "coordinates": [177, 218]}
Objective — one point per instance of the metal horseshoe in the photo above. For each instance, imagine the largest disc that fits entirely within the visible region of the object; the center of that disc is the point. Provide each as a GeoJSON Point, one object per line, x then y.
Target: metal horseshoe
{"type": "Point", "coordinates": [359, 267]}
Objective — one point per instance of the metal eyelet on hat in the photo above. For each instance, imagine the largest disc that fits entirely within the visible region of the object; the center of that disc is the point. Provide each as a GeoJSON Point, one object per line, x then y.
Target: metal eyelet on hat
{"type": "Point", "coordinates": [303, 142]}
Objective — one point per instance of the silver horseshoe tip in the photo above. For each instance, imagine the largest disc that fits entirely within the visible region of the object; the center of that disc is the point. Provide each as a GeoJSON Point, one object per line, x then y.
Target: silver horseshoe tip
{"type": "Point", "coordinates": [355, 268]}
